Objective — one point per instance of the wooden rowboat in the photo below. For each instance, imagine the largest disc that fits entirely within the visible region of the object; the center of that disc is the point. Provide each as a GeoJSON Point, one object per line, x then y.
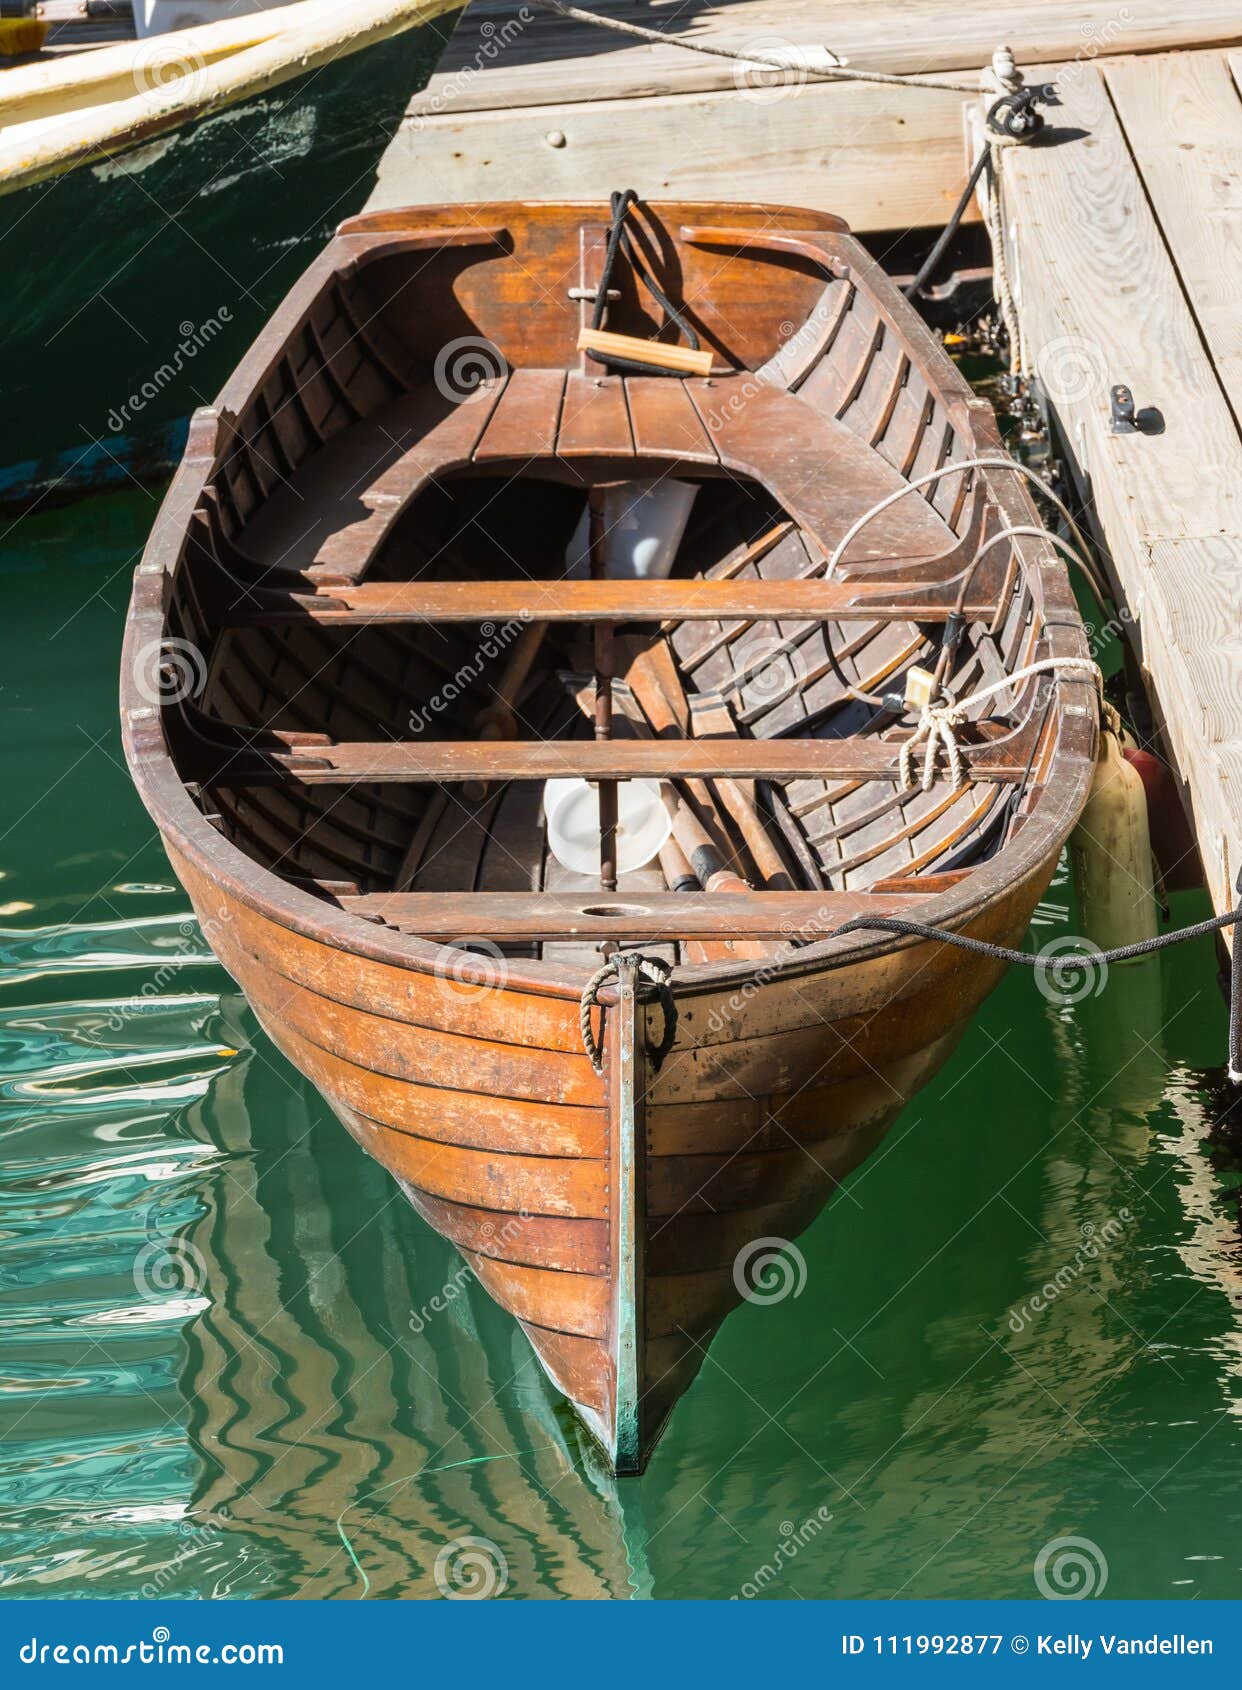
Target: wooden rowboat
{"type": "Point", "coordinates": [355, 652]}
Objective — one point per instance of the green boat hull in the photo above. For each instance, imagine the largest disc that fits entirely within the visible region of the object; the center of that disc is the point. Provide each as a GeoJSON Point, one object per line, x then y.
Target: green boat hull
{"type": "Point", "coordinates": [133, 285]}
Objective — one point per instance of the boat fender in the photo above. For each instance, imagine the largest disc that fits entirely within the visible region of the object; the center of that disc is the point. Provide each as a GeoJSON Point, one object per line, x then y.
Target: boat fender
{"type": "Point", "coordinates": [1177, 854]}
{"type": "Point", "coordinates": [1111, 850]}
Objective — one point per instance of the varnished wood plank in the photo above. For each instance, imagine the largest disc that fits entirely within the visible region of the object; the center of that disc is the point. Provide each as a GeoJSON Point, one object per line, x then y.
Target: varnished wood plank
{"type": "Point", "coordinates": [334, 511]}
{"type": "Point", "coordinates": [824, 475]}
{"type": "Point", "coordinates": [595, 421]}
{"type": "Point", "coordinates": [743, 759]}
{"type": "Point", "coordinates": [665, 421]}
{"type": "Point", "coordinates": [550, 915]}
{"type": "Point", "coordinates": [526, 418]}
{"type": "Point", "coordinates": [701, 600]}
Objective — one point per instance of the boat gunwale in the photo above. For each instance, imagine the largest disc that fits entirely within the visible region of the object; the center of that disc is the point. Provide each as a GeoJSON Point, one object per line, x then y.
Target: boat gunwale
{"type": "Point", "coordinates": [1033, 851]}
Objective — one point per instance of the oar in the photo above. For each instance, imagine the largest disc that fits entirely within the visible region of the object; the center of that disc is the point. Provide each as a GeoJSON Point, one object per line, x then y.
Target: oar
{"type": "Point", "coordinates": [711, 718]}
{"type": "Point", "coordinates": [644, 678]}
{"type": "Point", "coordinates": [689, 836]}
{"type": "Point", "coordinates": [698, 851]}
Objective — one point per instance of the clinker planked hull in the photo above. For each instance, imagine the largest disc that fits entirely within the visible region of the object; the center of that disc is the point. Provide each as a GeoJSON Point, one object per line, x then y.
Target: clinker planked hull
{"type": "Point", "coordinates": [364, 633]}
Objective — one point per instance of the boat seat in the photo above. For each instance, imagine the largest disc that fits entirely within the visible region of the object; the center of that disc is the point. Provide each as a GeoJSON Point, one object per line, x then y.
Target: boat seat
{"type": "Point", "coordinates": [773, 598]}
{"type": "Point", "coordinates": [823, 474]}
{"type": "Point", "coordinates": [638, 915]}
{"type": "Point", "coordinates": [334, 513]}
{"type": "Point", "coordinates": [438, 762]}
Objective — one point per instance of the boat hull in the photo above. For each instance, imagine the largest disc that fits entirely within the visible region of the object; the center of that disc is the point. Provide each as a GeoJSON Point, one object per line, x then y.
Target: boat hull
{"type": "Point", "coordinates": [196, 236]}
{"type": "Point", "coordinates": [480, 1100]}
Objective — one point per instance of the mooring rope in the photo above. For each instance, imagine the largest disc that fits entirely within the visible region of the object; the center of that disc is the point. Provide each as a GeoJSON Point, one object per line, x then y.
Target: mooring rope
{"type": "Point", "coordinates": [770, 61]}
{"type": "Point", "coordinates": [1060, 966]}
{"type": "Point", "coordinates": [657, 972]}
{"type": "Point", "coordinates": [1069, 962]}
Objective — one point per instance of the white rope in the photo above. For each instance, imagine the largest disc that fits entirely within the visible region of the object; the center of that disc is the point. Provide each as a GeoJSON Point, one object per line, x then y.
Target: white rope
{"type": "Point", "coordinates": [995, 224]}
{"type": "Point", "coordinates": [856, 528]}
{"type": "Point", "coordinates": [756, 56]}
{"type": "Point", "coordinates": [1033, 532]}
{"type": "Point", "coordinates": [938, 722]}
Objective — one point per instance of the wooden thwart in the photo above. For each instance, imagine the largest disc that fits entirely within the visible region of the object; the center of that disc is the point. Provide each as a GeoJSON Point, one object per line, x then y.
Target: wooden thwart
{"type": "Point", "coordinates": [618, 601]}
{"type": "Point", "coordinates": [742, 759]}
{"type": "Point", "coordinates": [552, 915]}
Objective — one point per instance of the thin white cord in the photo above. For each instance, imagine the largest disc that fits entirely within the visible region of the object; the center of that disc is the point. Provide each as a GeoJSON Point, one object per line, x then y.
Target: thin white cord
{"type": "Point", "coordinates": [856, 528]}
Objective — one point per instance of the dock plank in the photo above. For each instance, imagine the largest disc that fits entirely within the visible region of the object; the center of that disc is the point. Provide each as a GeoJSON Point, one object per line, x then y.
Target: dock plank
{"type": "Point", "coordinates": [1185, 130]}
{"type": "Point", "coordinates": [538, 58]}
{"type": "Point", "coordinates": [526, 103]}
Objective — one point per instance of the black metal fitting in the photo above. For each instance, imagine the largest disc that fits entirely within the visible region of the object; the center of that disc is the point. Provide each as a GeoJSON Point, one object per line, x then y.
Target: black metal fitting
{"type": "Point", "coordinates": [1122, 414]}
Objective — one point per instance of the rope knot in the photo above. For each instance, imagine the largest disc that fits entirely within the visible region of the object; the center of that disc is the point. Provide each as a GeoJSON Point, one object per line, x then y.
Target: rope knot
{"type": "Point", "coordinates": [937, 724]}
{"type": "Point", "coordinates": [1002, 76]}
{"type": "Point", "coordinates": [650, 970]}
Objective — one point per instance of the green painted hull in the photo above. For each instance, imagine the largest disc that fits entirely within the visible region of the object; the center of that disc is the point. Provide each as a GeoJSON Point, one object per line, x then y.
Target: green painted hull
{"type": "Point", "coordinates": [134, 285]}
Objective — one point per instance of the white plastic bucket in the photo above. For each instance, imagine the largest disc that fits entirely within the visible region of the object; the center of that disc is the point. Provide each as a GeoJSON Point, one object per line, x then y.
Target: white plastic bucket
{"type": "Point", "coordinates": [644, 522]}
{"type": "Point", "coordinates": [571, 808]}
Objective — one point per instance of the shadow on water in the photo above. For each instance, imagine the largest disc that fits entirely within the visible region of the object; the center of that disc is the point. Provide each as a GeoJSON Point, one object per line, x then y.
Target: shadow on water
{"type": "Point", "coordinates": [236, 1363]}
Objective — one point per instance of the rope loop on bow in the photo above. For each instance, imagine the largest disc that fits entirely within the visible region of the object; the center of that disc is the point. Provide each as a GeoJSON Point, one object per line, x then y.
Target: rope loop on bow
{"type": "Point", "coordinates": [655, 973]}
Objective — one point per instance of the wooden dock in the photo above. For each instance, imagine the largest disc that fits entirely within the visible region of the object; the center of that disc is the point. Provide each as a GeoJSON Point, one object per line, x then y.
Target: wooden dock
{"type": "Point", "coordinates": [1124, 240]}
{"type": "Point", "coordinates": [527, 104]}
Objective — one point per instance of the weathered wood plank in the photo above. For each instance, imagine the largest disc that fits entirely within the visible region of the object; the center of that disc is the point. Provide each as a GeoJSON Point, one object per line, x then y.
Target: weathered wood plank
{"type": "Point", "coordinates": [706, 600]}
{"type": "Point", "coordinates": [525, 102]}
{"type": "Point", "coordinates": [794, 151]}
{"type": "Point", "coordinates": [503, 54]}
{"type": "Point", "coordinates": [1184, 126]}
{"type": "Point", "coordinates": [621, 759]}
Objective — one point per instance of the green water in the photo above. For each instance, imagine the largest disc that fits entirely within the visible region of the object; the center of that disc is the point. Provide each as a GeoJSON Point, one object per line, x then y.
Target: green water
{"type": "Point", "coordinates": [210, 1382]}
